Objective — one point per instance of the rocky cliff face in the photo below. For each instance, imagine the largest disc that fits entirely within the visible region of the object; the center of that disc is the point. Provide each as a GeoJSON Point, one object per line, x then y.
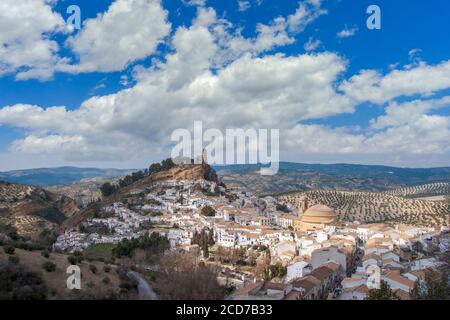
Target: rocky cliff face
{"type": "Point", "coordinates": [184, 172]}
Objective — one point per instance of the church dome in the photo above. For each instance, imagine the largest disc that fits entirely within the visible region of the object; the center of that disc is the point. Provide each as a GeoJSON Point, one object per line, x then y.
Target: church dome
{"type": "Point", "coordinates": [319, 214]}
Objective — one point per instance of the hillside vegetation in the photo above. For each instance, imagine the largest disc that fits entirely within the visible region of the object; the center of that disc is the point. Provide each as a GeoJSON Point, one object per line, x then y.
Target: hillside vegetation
{"type": "Point", "coordinates": [26, 268]}
{"type": "Point", "coordinates": [422, 191]}
{"type": "Point", "coordinates": [31, 210]}
{"type": "Point", "coordinates": [376, 207]}
{"type": "Point", "coordinates": [348, 177]}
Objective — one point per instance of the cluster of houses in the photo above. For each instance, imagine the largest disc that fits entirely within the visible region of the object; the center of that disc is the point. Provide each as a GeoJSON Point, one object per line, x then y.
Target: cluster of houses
{"type": "Point", "coordinates": [323, 258]}
{"type": "Point", "coordinates": [174, 208]}
{"type": "Point", "coordinates": [387, 257]}
{"type": "Point", "coordinates": [352, 260]}
{"type": "Point", "coordinates": [124, 223]}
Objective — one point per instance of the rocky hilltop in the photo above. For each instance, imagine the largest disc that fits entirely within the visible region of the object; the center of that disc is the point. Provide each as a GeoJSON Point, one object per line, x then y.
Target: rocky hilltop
{"type": "Point", "coordinates": [30, 210]}
{"type": "Point", "coordinates": [181, 172]}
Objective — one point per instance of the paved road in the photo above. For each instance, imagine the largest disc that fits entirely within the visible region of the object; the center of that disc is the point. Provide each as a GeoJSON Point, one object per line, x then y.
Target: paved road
{"type": "Point", "coordinates": [145, 291]}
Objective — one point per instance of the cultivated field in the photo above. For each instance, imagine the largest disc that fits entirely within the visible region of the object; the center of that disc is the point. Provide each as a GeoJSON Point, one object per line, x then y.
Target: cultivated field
{"type": "Point", "coordinates": [10, 193]}
{"type": "Point", "coordinates": [376, 207]}
{"type": "Point", "coordinates": [423, 191]}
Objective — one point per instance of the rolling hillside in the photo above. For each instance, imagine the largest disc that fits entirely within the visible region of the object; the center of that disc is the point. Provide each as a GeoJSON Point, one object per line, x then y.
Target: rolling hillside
{"type": "Point", "coordinates": [94, 285]}
{"type": "Point", "coordinates": [302, 177]}
{"type": "Point", "coordinates": [59, 176]}
{"type": "Point", "coordinates": [423, 191]}
{"type": "Point", "coordinates": [376, 207]}
{"type": "Point", "coordinates": [30, 210]}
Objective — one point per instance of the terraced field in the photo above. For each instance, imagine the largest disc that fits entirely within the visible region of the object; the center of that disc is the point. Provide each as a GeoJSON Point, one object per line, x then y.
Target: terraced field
{"type": "Point", "coordinates": [376, 207]}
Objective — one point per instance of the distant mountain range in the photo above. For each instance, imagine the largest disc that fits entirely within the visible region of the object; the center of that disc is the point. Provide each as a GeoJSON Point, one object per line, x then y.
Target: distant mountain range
{"type": "Point", "coordinates": [45, 177]}
{"type": "Point", "coordinates": [291, 177]}
{"type": "Point", "coordinates": [303, 177]}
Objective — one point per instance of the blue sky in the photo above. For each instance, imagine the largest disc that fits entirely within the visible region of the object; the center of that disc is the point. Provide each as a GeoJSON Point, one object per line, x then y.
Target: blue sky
{"type": "Point", "coordinates": [413, 37]}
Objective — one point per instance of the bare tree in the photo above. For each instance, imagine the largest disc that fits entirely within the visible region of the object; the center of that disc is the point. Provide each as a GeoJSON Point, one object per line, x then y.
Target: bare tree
{"type": "Point", "coordinates": [199, 283]}
{"type": "Point", "coordinates": [183, 279]}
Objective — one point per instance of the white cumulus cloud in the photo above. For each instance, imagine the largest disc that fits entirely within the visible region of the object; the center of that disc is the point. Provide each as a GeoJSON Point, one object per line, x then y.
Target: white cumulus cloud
{"type": "Point", "coordinates": [26, 29]}
{"type": "Point", "coordinates": [347, 32]}
{"type": "Point", "coordinates": [214, 74]}
{"type": "Point", "coordinates": [423, 79]}
{"type": "Point", "coordinates": [130, 30]}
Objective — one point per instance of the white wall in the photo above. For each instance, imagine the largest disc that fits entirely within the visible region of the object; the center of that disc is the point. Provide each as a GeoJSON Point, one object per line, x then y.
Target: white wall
{"type": "Point", "coordinates": [296, 270]}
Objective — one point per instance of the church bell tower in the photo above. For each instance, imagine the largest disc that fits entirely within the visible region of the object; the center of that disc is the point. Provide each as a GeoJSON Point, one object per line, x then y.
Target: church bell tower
{"type": "Point", "coordinates": [303, 206]}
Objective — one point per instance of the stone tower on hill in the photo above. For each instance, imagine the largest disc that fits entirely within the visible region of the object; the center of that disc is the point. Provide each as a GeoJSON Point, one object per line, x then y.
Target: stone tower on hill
{"type": "Point", "coordinates": [204, 156]}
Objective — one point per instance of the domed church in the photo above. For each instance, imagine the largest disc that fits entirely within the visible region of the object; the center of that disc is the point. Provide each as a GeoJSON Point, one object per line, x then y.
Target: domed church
{"type": "Point", "coordinates": [314, 218]}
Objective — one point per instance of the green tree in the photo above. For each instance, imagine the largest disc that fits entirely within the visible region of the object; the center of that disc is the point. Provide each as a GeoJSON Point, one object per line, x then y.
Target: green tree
{"type": "Point", "coordinates": [93, 268]}
{"type": "Point", "coordinates": [204, 239]}
{"type": "Point", "coordinates": [81, 228]}
{"type": "Point", "coordinates": [18, 283]}
{"type": "Point", "coordinates": [151, 244]}
{"type": "Point", "coordinates": [166, 164]}
{"type": "Point", "coordinates": [211, 237]}
{"type": "Point", "coordinates": [9, 230]}
{"type": "Point", "coordinates": [75, 258]}
{"type": "Point", "coordinates": [45, 253]}
{"type": "Point", "coordinates": [205, 250]}
{"type": "Point", "coordinates": [417, 246]}
{"type": "Point", "coordinates": [9, 249]}
{"type": "Point", "coordinates": [107, 189]}
{"type": "Point", "coordinates": [49, 266]}
{"type": "Point", "coordinates": [384, 293]}
{"type": "Point", "coordinates": [154, 168]}
{"type": "Point", "coordinates": [208, 211]}
{"type": "Point", "coordinates": [274, 271]}
{"type": "Point", "coordinates": [434, 287]}
{"type": "Point", "coordinates": [47, 238]}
